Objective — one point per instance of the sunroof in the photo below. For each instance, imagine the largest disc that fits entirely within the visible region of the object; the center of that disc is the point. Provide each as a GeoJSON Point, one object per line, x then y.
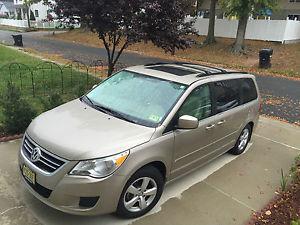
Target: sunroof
{"type": "Point", "coordinates": [173, 70]}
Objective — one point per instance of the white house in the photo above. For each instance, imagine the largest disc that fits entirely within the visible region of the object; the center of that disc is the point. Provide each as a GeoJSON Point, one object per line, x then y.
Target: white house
{"type": "Point", "coordinates": [39, 13]}
{"type": "Point", "coordinates": [38, 10]}
{"type": "Point", "coordinates": [7, 9]}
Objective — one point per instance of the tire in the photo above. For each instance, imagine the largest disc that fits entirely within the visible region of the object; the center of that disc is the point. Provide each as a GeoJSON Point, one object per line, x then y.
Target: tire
{"type": "Point", "coordinates": [242, 142]}
{"type": "Point", "coordinates": [135, 192]}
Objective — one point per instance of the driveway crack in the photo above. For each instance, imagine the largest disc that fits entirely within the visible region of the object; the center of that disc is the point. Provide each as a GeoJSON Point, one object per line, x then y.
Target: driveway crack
{"type": "Point", "coordinates": [277, 142]}
{"type": "Point", "coordinates": [230, 196]}
{"type": "Point", "coordinates": [10, 209]}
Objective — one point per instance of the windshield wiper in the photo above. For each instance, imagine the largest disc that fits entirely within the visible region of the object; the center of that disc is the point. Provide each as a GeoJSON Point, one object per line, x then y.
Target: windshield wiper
{"type": "Point", "coordinates": [86, 98]}
{"type": "Point", "coordinates": [103, 109]}
{"type": "Point", "coordinates": [123, 117]}
{"type": "Point", "coordinates": [115, 114]}
{"type": "Point", "coordinates": [107, 110]}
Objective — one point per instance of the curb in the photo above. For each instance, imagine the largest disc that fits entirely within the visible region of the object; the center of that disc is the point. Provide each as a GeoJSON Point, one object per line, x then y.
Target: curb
{"type": "Point", "coordinates": [10, 138]}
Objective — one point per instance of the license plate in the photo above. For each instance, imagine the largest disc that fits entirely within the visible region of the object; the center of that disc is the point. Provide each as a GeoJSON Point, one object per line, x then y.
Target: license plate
{"type": "Point", "coordinates": [28, 174]}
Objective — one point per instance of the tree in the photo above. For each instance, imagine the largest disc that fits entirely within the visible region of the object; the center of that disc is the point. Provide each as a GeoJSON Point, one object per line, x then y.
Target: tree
{"type": "Point", "coordinates": [27, 4]}
{"type": "Point", "coordinates": [198, 5]}
{"type": "Point", "coordinates": [121, 23]}
{"type": "Point", "coordinates": [243, 9]}
{"type": "Point", "coordinates": [210, 38]}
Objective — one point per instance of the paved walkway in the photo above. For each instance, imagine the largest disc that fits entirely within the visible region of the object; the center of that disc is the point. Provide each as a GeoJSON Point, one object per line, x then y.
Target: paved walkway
{"type": "Point", "coordinates": [282, 95]}
{"type": "Point", "coordinates": [225, 192]}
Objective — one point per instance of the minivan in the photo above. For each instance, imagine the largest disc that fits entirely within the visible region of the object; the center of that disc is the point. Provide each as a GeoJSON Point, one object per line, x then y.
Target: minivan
{"type": "Point", "coordinates": [115, 148]}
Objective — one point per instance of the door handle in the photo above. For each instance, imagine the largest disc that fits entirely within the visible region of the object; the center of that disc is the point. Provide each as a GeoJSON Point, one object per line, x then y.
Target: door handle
{"type": "Point", "coordinates": [221, 122]}
{"type": "Point", "coordinates": [210, 127]}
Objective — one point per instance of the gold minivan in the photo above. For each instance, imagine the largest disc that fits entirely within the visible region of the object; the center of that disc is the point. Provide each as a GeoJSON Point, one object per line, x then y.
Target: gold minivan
{"type": "Point", "coordinates": [114, 149]}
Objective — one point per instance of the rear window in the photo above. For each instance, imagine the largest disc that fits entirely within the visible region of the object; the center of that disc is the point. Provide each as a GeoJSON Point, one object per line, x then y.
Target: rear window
{"type": "Point", "coordinates": [227, 95]}
{"type": "Point", "coordinates": [248, 89]}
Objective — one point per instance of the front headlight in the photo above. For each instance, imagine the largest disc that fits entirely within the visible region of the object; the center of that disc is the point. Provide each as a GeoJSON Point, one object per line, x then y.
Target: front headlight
{"type": "Point", "coordinates": [99, 168]}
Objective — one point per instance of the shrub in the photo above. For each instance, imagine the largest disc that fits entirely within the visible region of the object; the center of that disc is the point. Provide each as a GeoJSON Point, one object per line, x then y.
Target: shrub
{"type": "Point", "coordinates": [295, 222]}
{"type": "Point", "coordinates": [52, 101]}
{"type": "Point", "coordinates": [17, 112]}
{"type": "Point", "coordinates": [19, 17]}
{"type": "Point", "coordinates": [80, 91]}
{"type": "Point", "coordinates": [295, 169]}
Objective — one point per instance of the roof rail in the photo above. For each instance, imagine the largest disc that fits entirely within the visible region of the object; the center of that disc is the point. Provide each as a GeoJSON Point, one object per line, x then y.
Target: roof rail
{"type": "Point", "coordinates": [179, 64]}
{"type": "Point", "coordinates": [225, 72]}
{"type": "Point", "coordinates": [205, 72]}
{"type": "Point", "coordinates": [185, 64]}
{"type": "Point", "coordinates": [210, 67]}
{"type": "Point", "coordinates": [157, 63]}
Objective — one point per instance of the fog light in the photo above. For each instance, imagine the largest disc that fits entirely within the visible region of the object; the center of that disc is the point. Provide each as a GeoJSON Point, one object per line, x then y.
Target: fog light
{"type": "Point", "coordinates": [88, 202]}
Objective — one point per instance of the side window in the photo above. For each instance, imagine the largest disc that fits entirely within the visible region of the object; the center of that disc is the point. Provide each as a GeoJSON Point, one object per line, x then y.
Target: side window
{"type": "Point", "coordinates": [227, 95]}
{"type": "Point", "coordinates": [198, 104]}
{"type": "Point", "coordinates": [249, 92]}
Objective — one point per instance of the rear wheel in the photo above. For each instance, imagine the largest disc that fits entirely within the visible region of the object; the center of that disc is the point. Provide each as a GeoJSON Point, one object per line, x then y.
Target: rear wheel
{"type": "Point", "coordinates": [242, 141]}
{"type": "Point", "coordinates": [141, 193]}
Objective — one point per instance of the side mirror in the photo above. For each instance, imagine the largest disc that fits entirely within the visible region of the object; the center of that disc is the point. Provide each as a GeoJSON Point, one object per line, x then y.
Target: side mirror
{"type": "Point", "coordinates": [187, 122]}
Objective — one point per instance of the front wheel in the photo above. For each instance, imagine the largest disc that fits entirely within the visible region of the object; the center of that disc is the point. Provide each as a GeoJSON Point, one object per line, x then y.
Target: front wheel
{"type": "Point", "coordinates": [242, 141]}
{"type": "Point", "coordinates": [141, 193]}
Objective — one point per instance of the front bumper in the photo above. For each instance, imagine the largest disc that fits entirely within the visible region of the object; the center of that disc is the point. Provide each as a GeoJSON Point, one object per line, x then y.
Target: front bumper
{"type": "Point", "coordinates": [65, 193]}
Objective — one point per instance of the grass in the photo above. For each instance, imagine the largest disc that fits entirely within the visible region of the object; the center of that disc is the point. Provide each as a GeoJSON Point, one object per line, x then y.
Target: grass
{"type": "Point", "coordinates": [11, 28]}
{"type": "Point", "coordinates": [38, 79]}
{"type": "Point", "coordinates": [9, 55]}
{"type": "Point", "coordinates": [32, 29]}
{"type": "Point", "coordinates": [285, 61]}
{"type": "Point", "coordinates": [295, 222]}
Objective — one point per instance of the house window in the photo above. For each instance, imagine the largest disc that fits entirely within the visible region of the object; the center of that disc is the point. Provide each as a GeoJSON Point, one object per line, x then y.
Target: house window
{"type": "Point", "coordinates": [294, 0]}
{"type": "Point", "coordinates": [36, 13]}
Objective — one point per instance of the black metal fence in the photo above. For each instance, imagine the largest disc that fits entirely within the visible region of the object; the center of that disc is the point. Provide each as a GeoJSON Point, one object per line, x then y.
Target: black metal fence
{"type": "Point", "coordinates": [49, 77]}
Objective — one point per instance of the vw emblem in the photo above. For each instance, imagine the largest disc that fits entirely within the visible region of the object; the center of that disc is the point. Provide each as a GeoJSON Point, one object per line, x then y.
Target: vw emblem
{"type": "Point", "coordinates": [35, 154]}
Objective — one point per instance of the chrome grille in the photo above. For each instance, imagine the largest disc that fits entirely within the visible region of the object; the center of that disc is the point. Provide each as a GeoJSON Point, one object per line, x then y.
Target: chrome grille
{"type": "Point", "coordinates": [47, 161]}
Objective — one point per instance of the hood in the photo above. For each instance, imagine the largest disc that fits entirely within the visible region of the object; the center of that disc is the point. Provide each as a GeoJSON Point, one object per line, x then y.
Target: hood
{"type": "Point", "coordinates": [76, 131]}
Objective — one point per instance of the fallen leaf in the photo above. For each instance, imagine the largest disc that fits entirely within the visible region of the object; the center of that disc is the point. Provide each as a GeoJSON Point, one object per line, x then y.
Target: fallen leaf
{"type": "Point", "coordinates": [268, 213]}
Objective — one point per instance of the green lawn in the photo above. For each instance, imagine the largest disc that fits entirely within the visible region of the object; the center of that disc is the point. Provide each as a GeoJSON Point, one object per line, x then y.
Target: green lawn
{"type": "Point", "coordinates": [8, 55]}
{"type": "Point", "coordinates": [38, 79]}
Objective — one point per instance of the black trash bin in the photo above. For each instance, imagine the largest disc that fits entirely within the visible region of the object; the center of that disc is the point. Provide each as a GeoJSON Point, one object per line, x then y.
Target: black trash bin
{"type": "Point", "coordinates": [265, 56]}
{"type": "Point", "coordinates": [18, 40]}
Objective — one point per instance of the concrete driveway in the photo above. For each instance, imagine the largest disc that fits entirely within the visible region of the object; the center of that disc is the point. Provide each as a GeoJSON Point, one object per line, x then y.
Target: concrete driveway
{"type": "Point", "coordinates": [224, 192]}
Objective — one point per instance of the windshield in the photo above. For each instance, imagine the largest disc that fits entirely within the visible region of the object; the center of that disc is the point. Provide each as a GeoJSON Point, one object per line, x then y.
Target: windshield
{"type": "Point", "coordinates": [137, 98]}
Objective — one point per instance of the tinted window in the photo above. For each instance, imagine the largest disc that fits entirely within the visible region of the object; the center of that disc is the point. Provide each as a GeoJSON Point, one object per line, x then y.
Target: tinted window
{"type": "Point", "coordinates": [227, 95]}
{"type": "Point", "coordinates": [198, 104]}
{"type": "Point", "coordinates": [249, 92]}
{"type": "Point", "coordinates": [172, 70]}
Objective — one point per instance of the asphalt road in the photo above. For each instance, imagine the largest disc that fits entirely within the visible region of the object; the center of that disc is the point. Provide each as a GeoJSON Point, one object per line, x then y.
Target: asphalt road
{"type": "Point", "coordinates": [281, 96]}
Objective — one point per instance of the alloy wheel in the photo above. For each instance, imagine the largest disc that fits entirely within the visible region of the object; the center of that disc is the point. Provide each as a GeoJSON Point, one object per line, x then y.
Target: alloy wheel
{"type": "Point", "coordinates": [140, 194]}
{"type": "Point", "coordinates": [243, 139]}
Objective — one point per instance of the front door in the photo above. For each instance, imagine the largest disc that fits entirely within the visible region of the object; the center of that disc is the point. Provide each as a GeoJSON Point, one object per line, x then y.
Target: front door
{"type": "Point", "coordinates": [192, 146]}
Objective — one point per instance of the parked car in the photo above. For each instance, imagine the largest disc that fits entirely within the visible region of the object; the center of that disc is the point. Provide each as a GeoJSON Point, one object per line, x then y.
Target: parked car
{"type": "Point", "coordinates": [115, 148]}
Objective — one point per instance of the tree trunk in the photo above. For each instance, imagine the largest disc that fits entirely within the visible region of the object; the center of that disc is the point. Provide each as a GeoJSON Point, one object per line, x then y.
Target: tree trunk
{"type": "Point", "coordinates": [111, 57]}
{"type": "Point", "coordinates": [210, 39]}
{"type": "Point", "coordinates": [111, 68]}
{"type": "Point", "coordinates": [28, 16]}
{"type": "Point", "coordinates": [238, 46]}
